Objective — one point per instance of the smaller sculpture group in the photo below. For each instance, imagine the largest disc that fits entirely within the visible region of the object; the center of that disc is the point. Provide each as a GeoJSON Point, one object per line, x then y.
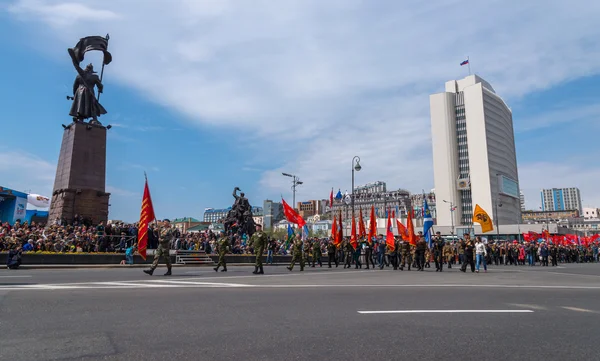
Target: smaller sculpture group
{"type": "Point", "coordinates": [239, 219]}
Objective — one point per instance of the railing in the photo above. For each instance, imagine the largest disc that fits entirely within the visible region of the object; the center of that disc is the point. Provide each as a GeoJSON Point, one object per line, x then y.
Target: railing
{"type": "Point", "coordinates": [192, 257]}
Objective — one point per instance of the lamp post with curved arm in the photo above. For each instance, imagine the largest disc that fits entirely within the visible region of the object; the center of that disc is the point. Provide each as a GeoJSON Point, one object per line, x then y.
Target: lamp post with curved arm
{"type": "Point", "coordinates": [355, 167]}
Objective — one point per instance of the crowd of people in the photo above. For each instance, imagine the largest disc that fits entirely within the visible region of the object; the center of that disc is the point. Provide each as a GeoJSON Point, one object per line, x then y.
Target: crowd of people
{"type": "Point", "coordinates": [121, 237]}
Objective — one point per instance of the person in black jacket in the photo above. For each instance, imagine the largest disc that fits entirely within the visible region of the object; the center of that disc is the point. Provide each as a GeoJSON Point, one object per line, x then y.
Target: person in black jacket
{"type": "Point", "coordinates": [468, 257]}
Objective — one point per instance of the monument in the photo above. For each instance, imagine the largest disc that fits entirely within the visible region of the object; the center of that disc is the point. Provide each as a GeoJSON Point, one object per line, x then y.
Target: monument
{"type": "Point", "coordinates": [239, 219]}
{"type": "Point", "coordinates": [80, 184]}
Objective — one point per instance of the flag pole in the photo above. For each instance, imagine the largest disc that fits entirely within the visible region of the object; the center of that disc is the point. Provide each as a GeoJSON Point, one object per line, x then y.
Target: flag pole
{"type": "Point", "coordinates": [146, 177]}
{"type": "Point", "coordinates": [102, 74]}
{"type": "Point", "coordinates": [468, 64]}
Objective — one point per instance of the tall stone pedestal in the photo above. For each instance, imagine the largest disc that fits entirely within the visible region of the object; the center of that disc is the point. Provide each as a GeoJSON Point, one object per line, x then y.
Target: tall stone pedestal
{"type": "Point", "coordinates": [80, 183]}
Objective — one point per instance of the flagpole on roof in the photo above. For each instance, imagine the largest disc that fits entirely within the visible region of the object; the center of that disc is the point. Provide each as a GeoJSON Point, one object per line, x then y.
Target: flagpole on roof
{"type": "Point", "coordinates": [469, 65]}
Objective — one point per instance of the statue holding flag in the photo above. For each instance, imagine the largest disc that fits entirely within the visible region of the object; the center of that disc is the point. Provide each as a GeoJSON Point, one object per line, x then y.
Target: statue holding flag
{"type": "Point", "coordinates": [85, 104]}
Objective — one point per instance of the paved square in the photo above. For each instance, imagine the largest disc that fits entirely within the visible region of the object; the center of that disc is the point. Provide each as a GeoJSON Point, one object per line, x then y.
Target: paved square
{"type": "Point", "coordinates": [114, 314]}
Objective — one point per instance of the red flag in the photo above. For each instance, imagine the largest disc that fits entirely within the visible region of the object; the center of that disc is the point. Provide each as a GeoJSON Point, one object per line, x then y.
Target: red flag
{"type": "Point", "coordinates": [412, 238]}
{"type": "Point", "coordinates": [353, 241]}
{"type": "Point", "coordinates": [372, 225]}
{"type": "Point", "coordinates": [331, 198]}
{"type": "Point", "coordinates": [291, 215]}
{"type": "Point", "coordinates": [389, 237]}
{"type": "Point", "coordinates": [146, 216]}
{"type": "Point", "coordinates": [545, 234]}
{"type": "Point", "coordinates": [334, 232]}
{"type": "Point", "coordinates": [402, 231]}
{"type": "Point", "coordinates": [362, 232]}
{"type": "Point", "coordinates": [394, 214]}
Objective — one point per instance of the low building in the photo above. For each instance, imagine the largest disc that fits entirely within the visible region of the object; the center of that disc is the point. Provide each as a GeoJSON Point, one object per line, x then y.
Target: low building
{"type": "Point", "coordinates": [374, 195]}
{"type": "Point", "coordinates": [13, 205]}
{"type": "Point", "coordinates": [308, 208]}
{"type": "Point", "coordinates": [183, 224]}
{"type": "Point", "coordinates": [272, 213]}
{"type": "Point", "coordinates": [548, 216]}
{"type": "Point", "coordinates": [218, 214]}
{"type": "Point", "coordinates": [589, 213]}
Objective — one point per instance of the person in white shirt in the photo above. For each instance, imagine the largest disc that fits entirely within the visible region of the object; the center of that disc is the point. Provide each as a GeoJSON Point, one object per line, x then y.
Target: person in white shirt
{"type": "Point", "coordinates": [480, 255]}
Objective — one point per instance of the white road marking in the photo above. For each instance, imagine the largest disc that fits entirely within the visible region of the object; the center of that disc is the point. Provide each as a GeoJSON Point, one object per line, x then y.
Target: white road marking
{"type": "Point", "coordinates": [15, 276]}
{"type": "Point", "coordinates": [129, 284]}
{"type": "Point", "coordinates": [573, 274]}
{"type": "Point", "coordinates": [579, 309]}
{"type": "Point", "coordinates": [445, 311]}
{"type": "Point", "coordinates": [203, 283]}
{"type": "Point", "coordinates": [434, 286]}
{"type": "Point", "coordinates": [535, 307]}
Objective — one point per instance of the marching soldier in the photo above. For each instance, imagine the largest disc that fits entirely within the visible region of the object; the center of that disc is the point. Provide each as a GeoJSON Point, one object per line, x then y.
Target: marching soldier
{"type": "Point", "coordinates": [406, 255]}
{"type": "Point", "coordinates": [258, 241]}
{"type": "Point", "coordinates": [438, 252]}
{"type": "Point", "coordinates": [316, 249]}
{"type": "Point", "coordinates": [164, 243]}
{"type": "Point", "coordinates": [356, 255]}
{"type": "Point", "coordinates": [448, 252]}
{"type": "Point", "coordinates": [297, 254]}
{"type": "Point", "coordinates": [369, 253]}
{"type": "Point", "coordinates": [349, 251]}
{"type": "Point", "coordinates": [331, 250]}
{"type": "Point", "coordinates": [420, 252]}
{"type": "Point", "coordinates": [222, 248]}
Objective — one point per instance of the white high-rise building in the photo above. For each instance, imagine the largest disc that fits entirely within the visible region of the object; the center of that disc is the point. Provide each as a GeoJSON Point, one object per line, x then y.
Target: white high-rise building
{"type": "Point", "coordinates": [561, 199]}
{"type": "Point", "coordinates": [522, 199]}
{"type": "Point", "coordinates": [474, 157]}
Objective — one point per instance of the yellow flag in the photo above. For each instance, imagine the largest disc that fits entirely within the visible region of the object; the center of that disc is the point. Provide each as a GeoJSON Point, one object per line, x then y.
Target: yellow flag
{"type": "Point", "coordinates": [480, 216]}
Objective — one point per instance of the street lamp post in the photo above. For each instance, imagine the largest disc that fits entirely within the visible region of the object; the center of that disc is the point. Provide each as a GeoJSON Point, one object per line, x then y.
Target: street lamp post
{"type": "Point", "coordinates": [498, 204]}
{"type": "Point", "coordinates": [451, 216]}
{"type": "Point", "coordinates": [355, 167]}
{"type": "Point", "coordinates": [295, 182]}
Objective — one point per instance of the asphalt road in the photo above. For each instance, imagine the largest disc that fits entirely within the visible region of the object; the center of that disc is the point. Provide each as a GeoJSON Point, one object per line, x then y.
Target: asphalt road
{"type": "Point", "coordinates": [514, 313]}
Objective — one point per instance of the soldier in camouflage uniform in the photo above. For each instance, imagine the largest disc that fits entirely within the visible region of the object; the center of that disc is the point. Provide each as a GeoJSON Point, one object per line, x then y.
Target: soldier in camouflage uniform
{"type": "Point", "coordinates": [448, 254]}
{"type": "Point", "coordinates": [297, 254]}
{"type": "Point", "coordinates": [349, 252]}
{"type": "Point", "coordinates": [222, 248]}
{"type": "Point", "coordinates": [258, 241]}
{"type": "Point", "coordinates": [406, 255]}
{"type": "Point", "coordinates": [316, 249]}
{"type": "Point", "coordinates": [164, 243]}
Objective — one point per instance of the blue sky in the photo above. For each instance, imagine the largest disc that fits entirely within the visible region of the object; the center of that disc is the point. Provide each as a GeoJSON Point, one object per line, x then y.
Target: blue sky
{"type": "Point", "coordinates": [209, 95]}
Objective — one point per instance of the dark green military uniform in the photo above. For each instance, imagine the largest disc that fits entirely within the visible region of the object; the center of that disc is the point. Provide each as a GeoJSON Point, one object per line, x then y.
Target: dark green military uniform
{"type": "Point", "coordinates": [316, 249]}
{"type": "Point", "coordinates": [222, 248]}
{"type": "Point", "coordinates": [438, 253]}
{"type": "Point", "coordinates": [297, 254]}
{"type": "Point", "coordinates": [164, 242]}
{"type": "Point", "coordinates": [349, 252]}
{"type": "Point", "coordinates": [331, 250]}
{"type": "Point", "coordinates": [406, 255]}
{"type": "Point", "coordinates": [258, 241]}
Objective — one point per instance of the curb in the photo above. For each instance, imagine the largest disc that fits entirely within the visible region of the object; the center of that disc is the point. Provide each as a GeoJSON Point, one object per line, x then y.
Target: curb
{"type": "Point", "coordinates": [107, 266]}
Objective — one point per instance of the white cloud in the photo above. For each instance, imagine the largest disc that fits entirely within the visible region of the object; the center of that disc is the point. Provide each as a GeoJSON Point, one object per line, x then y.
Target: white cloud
{"type": "Point", "coordinates": [534, 177]}
{"type": "Point", "coordinates": [324, 81]}
{"type": "Point", "coordinates": [61, 14]}
{"type": "Point", "coordinates": [26, 172]}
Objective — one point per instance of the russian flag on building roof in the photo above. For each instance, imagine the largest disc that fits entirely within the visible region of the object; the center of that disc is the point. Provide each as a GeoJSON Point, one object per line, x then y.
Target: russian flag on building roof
{"type": "Point", "coordinates": [464, 62]}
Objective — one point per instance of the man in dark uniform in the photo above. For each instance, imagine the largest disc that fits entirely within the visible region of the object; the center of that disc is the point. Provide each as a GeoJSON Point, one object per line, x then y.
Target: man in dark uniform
{"type": "Point", "coordinates": [438, 251]}
{"type": "Point", "coordinates": [468, 256]}
{"type": "Point", "coordinates": [164, 243]}
{"type": "Point", "coordinates": [331, 249]}
{"type": "Point", "coordinates": [369, 253]}
{"type": "Point", "coordinates": [349, 251]}
{"type": "Point", "coordinates": [420, 252]}
{"type": "Point", "coordinates": [258, 241]}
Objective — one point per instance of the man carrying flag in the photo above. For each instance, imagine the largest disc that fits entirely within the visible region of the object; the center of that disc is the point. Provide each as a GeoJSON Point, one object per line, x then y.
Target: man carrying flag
{"type": "Point", "coordinates": [146, 216]}
{"type": "Point", "coordinates": [427, 222]}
